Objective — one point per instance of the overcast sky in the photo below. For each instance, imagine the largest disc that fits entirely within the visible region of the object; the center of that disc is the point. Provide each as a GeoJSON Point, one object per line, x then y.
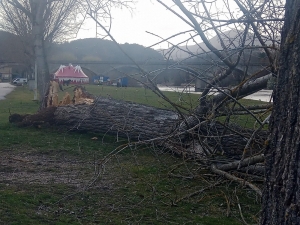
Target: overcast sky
{"type": "Point", "coordinates": [148, 15]}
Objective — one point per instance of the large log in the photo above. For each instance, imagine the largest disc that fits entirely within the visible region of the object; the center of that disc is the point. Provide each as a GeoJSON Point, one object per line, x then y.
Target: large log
{"type": "Point", "coordinates": [125, 119]}
{"type": "Point", "coordinates": [140, 123]}
{"type": "Point", "coordinates": [137, 122]}
{"type": "Point", "coordinates": [88, 113]}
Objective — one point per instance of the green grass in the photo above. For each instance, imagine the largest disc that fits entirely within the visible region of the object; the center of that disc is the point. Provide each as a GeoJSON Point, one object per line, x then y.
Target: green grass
{"type": "Point", "coordinates": [43, 173]}
{"type": "Point", "coordinates": [145, 96]}
{"type": "Point", "coordinates": [18, 102]}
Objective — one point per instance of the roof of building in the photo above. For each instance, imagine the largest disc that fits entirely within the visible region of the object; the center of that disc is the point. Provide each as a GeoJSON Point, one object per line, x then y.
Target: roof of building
{"type": "Point", "coordinates": [69, 71]}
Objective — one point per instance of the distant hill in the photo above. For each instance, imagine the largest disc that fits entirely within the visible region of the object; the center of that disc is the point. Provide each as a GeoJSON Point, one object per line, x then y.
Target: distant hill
{"type": "Point", "coordinates": [92, 49]}
{"type": "Point", "coordinates": [231, 39]}
{"type": "Point", "coordinates": [11, 49]}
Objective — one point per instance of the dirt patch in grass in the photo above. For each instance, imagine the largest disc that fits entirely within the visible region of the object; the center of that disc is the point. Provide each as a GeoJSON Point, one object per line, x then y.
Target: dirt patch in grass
{"type": "Point", "coordinates": [134, 187]}
{"type": "Point", "coordinates": [31, 167]}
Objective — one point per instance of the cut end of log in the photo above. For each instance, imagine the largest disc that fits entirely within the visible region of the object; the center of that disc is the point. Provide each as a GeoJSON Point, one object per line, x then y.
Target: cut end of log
{"type": "Point", "coordinates": [81, 96]}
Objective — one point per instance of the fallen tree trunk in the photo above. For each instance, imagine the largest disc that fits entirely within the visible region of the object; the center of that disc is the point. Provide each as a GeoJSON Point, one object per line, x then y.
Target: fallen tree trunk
{"type": "Point", "coordinates": [128, 120]}
{"type": "Point", "coordinates": [136, 122]}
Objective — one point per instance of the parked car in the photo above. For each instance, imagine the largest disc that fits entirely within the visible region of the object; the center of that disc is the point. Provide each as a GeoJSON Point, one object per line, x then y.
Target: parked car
{"type": "Point", "coordinates": [19, 81]}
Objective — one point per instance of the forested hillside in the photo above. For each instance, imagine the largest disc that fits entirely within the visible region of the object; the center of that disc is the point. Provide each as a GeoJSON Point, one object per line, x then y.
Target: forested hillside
{"type": "Point", "coordinates": [12, 49]}
{"type": "Point", "coordinates": [93, 49]}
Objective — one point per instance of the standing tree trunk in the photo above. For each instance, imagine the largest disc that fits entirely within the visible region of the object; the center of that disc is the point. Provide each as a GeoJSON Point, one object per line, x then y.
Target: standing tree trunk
{"type": "Point", "coordinates": [43, 77]}
{"type": "Point", "coordinates": [281, 197]}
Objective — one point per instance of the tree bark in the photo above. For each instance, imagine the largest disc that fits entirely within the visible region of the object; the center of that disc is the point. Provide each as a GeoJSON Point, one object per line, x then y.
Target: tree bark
{"type": "Point", "coordinates": [38, 23]}
{"type": "Point", "coordinates": [142, 123]}
{"type": "Point", "coordinates": [281, 196]}
{"type": "Point", "coordinates": [107, 116]}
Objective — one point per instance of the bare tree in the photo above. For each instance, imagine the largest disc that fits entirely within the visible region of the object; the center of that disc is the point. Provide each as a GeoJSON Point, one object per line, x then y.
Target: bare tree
{"type": "Point", "coordinates": [38, 24]}
{"type": "Point", "coordinates": [264, 20]}
{"type": "Point", "coordinates": [41, 22]}
{"type": "Point", "coordinates": [239, 36]}
{"type": "Point", "coordinates": [242, 31]}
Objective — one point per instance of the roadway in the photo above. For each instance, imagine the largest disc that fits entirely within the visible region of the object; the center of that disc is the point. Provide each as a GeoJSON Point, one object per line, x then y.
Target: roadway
{"type": "Point", "coordinates": [5, 88]}
{"type": "Point", "coordinates": [262, 95]}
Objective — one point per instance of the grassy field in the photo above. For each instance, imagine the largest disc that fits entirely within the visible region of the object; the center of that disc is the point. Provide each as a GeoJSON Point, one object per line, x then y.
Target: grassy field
{"type": "Point", "coordinates": [50, 176]}
{"type": "Point", "coordinates": [146, 96]}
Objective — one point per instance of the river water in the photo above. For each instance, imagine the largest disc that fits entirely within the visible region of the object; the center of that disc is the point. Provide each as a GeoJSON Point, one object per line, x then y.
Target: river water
{"type": "Point", "coordinates": [262, 95]}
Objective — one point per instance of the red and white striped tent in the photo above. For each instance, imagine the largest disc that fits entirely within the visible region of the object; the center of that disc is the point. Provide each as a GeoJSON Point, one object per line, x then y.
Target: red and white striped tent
{"type": "Point", "coordinates": [71, 74]}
